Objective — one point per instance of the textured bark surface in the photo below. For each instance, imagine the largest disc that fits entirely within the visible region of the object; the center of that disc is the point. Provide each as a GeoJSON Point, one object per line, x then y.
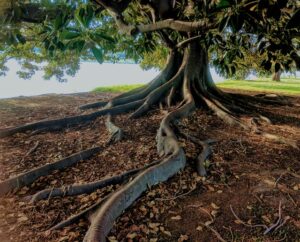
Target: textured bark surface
{"type": "Point", "coordinates": [276, 76]}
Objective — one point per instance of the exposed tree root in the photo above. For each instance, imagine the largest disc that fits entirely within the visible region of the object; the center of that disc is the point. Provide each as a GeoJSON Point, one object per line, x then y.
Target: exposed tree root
{"type": "Point", "coordinates": [93, 105]}
{"type": "Point", "coordinates": [269, 136]}
{"type": "Point", "coordinates": [142, 92]}
{"type": "Point", "coordinates": [55, 124]}
{"type": "Point", "coordinates": [75, 218]}
{"type": "Point", "coordinates": [116, 134]}
{"type": "Point", "coordinates": [79, 189]}
{"type": "Point", "coordinates": [204, 155]}
{"type": "Point", "coordinates": [185, 82]}
{"type": "Point", "coordinates": [167, 145]}
{"type": "Point", "coordinates": [30, 176]}
{"type": "Point", "coordinates": [124, 197]}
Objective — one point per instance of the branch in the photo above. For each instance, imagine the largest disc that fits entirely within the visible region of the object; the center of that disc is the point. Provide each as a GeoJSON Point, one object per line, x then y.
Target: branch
{"type": "Point", "coordinates": [182, 26]}
{"type": "Point", "coordinates": [177, 25]}
{"type": "Point", "coordinates": [187, 41]}
{"type": "Point", "coordinates": [116, 10]}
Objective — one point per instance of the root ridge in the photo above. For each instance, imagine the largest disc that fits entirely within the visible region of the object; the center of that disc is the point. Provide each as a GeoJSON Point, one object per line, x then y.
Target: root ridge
{"type": "Point", "coordinates": [86, 188]}
{"type": "Point", "coordinates": [124, 197]}
{"type": "Point", "coordinates": [29, 177]}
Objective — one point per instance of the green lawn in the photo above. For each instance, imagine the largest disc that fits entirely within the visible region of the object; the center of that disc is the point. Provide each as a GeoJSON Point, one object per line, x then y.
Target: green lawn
{"type": "Point", "coordinates": [286, 86]}
{"type": "Point", "coordinates": [119, 88]}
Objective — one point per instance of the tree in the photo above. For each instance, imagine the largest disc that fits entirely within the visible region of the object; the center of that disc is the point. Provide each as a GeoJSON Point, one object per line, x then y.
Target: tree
{"type": "Point", "coordinates": [193, 32]}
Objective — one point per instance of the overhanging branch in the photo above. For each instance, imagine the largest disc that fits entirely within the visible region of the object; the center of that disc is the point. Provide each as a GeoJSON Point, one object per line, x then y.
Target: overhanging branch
{"type": "Point", "coordinates": [181, 26]}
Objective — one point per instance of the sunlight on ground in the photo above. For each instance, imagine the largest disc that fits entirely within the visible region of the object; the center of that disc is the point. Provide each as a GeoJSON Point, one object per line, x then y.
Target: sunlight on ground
{"type": "Point", "coordinates": [286, 85]}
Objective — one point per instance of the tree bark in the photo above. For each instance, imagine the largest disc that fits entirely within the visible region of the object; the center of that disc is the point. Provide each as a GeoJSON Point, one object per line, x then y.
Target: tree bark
{"type": "Point", "coordinates": [276, 76]}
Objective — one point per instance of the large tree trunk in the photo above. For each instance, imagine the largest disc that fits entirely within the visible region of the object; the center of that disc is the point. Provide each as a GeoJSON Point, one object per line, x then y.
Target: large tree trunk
{"type": "Point", "coordinates": [276, 76]}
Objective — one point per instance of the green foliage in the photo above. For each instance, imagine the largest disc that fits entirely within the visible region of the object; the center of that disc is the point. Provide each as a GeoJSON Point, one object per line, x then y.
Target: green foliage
{"type": "Point", "coordinates": [61, 33]}
{"type": "Point", "coordinates": [155, 59]}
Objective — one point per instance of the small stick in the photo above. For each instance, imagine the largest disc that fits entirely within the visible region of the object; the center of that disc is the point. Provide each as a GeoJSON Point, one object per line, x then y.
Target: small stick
{"type": "Point", "coordinates": [247, 225]}
{"type": "Point", "coordinates": [278, 221]}
{"type": "Point", "coordinates": [33, 149]}
{"type": "Point", "coordinates": [214, 231]}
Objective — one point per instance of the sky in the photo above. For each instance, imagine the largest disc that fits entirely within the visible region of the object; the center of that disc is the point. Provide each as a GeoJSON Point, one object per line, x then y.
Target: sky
{"type": "Point", "coordinates": [90, 76]}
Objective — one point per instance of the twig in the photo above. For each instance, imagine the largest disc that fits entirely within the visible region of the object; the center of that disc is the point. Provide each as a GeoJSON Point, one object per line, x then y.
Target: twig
{"type": "Point", "coordinates": [175, 197]}
{"type": "Point", "coordinates": [33, 149]}
{"type": "Point", "coordinates": [292, 199]}
{"type": "Point", "coordinates": [276, 183]}
{"type": "Point", "coordinates": [230, 230]}
{"type": "Point", "coordinates": [214, 231]}
{"type": "Point", "coordinates": [247, 225]}
{"type": "Point", "coordinates": [278, 221]}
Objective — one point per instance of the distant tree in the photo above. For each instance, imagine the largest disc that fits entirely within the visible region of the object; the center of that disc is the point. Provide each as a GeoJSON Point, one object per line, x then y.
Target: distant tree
{"type": "Point", "coordinates": [193, 31]}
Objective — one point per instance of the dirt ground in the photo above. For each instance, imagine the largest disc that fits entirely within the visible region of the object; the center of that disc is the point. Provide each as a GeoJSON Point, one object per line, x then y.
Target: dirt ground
{"type": "Point", "coordinates": [252, 181]}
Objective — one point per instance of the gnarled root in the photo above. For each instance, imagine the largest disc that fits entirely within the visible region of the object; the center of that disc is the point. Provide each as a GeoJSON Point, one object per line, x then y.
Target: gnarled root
{"type": "Point", "coordinates": [79, 189]}
{"type": "Point", "coordinates": [122, 104]}
{"type": "Point", "coordinates": [140, 93]}
{"type": "Point", "coordinates": [124, 197]}
{"type": "Point", "coordinates": [205, 153]}
{"type": "Point", "coordinates": [94, 105]}
{"type": "Point", "coordinates": [116, 134]}
{"type": "Point", "coordinates": [85, 213]}
{"type": "Point", "coordinates": [56, 124]}
{"type": "Point", "coordinates": [185, 81]}
{"type": "Point", "coordinates": [30, 176]}
{"type": "Point", "coordinates": [167, 145]}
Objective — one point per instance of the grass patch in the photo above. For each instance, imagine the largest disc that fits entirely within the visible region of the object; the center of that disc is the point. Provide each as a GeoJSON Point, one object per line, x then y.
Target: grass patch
{"type": "Point", "coordinates": [285, 86]}
{"type": "Point", "coordinates": [117, 88]}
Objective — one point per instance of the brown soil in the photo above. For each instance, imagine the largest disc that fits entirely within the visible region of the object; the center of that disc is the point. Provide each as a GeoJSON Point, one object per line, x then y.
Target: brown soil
{"type": "Point", "coordinates": [247, 172]}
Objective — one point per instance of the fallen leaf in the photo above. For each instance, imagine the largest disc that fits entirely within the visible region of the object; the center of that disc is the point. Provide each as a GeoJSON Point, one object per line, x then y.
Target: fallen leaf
{"type": "Point", "coordinates": [183, 238]}
{"type": "Point", "coordinates": [22, 219]}
{"type": "Point", "coordinates": [178, 217]}
{"type": "Point", "coordinates": [237, 221]}
{"type": "Point", "coordinates": [215, 206]}
{"type": "Point", "coordinates": [131, 236]}
{"type": "Point", "coordinates": [207, 223]}
{"type": "Point", "coordinates": [112, 239]}
{"type": "Point", "coordinates": [168, 233]}
{"type": "Point", "coordinates": [266, 218]}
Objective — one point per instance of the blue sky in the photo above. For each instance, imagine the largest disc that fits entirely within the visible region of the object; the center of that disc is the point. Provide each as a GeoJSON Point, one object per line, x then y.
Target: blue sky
{"type": "Point", "coordinates": [90, 75]}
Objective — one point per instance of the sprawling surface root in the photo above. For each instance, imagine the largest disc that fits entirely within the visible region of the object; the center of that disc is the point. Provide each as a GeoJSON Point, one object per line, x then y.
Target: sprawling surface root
{"type": "Point", "coordinates": [204, 154]}
{"type": "Point", "coordinates": [124, 197]}
{"type": "Point", "coordinates": [116, 133]}
{"type": "Point", "coordinates": [185, 82]}
{"type": "Point", "coordinates": [99, 104]}
{"type": "Point", "coordinates": [56, 124]}
{"type": "Point", "coordinates": [140, 93]}
{"type": "Point", "coordinates": [30, 176]}
{"type": "Point", "coordinates": [167, 146]}
{"type": "Point", "coordinates": [76, 217]}
{"type": "Point", "coordinates": [86, 188]}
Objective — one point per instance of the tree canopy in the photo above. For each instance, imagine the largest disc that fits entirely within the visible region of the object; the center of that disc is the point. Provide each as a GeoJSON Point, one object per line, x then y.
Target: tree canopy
{"type": "Point", "coordinates": [36, 31]}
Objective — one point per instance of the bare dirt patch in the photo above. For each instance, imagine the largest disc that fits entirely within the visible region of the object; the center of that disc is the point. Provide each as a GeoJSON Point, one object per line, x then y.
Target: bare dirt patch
{"type": "Point", "coordinates": [248, 176]}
